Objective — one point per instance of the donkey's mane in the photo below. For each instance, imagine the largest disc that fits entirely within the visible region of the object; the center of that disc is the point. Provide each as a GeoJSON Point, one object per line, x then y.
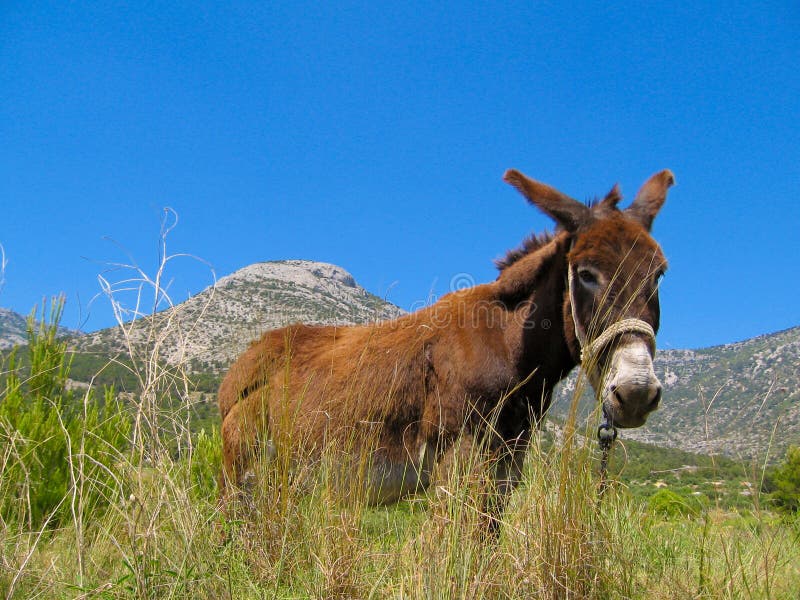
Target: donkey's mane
{"type": "Point", "coordinates": [537, 240]}
{"type": "Point", "coordinates": [530, 244]}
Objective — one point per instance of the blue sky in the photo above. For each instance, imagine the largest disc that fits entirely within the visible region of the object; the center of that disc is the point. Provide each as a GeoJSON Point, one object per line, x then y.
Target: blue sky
{"type": "Point", "coordinates": [375, 136]}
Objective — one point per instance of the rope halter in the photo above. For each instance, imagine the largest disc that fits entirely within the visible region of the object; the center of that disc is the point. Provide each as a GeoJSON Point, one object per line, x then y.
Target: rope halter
{"type": "Point", "coordinates": [591, 349]}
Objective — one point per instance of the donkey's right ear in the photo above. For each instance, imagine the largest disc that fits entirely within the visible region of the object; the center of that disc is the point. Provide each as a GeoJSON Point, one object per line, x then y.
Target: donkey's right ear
{"type": "Point", "coordinates": [566, 211]}
{"type": "Point", "coordinates": [651, 198]}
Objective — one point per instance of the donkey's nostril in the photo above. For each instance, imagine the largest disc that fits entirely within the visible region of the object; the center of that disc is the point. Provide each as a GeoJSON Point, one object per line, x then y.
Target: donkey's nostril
{"type": "Point", "coordinates": [613, 390]}
{"type": "Point", "coordinates": [657, 398]}
{"type": "Point", "coordinates": [636, 395]}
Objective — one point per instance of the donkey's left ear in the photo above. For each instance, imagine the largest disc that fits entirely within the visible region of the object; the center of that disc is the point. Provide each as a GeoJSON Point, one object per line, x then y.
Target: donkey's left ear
{"type": "Point", "coordinates": [651, 198]}
{"type": "Point", "coordinates": [565, 211]}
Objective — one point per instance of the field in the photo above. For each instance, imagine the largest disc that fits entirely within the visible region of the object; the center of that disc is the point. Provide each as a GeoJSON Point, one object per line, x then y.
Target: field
{"type": "Point", "coordinates": [117, 499]}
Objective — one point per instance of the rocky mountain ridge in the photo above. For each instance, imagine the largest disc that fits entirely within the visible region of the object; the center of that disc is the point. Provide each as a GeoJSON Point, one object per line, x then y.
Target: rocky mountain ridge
{"type": "Point", "coordinates": [14, 329]}
{"type": "Point", "coordinates": [213, 327]}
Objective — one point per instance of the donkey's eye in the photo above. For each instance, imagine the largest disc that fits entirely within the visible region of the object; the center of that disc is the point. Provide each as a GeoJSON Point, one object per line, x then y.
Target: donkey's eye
{"type": "Point", "coordinates": [588, 278]}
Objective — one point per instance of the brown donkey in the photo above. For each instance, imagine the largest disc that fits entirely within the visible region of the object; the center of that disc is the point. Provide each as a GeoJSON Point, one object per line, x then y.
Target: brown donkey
{"type": "Point", "coordinates": [477, 366]}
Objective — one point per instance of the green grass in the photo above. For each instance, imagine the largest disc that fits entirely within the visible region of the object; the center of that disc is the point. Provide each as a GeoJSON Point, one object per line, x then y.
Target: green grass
{"type": "Point", "coordinates": [147, 524]}
{"type": "Point", "coordinates": [166, 538]}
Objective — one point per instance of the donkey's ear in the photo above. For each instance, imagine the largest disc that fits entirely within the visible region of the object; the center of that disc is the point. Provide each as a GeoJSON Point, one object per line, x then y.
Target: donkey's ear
{"type": "Point", "coordinates": [609, 203]}
{"type": "Point", "coordinates": [651, 198]}
{"type": "Point", "coordinates": [567, 212]}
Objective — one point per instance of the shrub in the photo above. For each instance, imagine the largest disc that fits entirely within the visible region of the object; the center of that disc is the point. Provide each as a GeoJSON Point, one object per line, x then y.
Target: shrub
{"type": "Point", "coordinates": [205, 467]}
{"type": "Point", "coordinates": [785, 481]}
{"type": "Point", "coordinates": [57, 449]}
{"type": "Point", "coordinates": [669, 504]}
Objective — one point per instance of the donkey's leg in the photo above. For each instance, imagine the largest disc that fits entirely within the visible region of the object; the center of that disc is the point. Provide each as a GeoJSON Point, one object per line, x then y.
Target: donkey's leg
{"type": "Point", "coordinates": [507, 475]}
{"type": "Point", "coordinates": [235, 435]}
{"type": "Point", "coordinates": [458, 460]}
{"type": "Point", "coordinates": [241, 431]}
{"type": "Point", "coordinates": [466, 462]}
{"type": "Point", "coordinates": [511, 457]}
{"type": "Point", "coordinates": [497, 469]}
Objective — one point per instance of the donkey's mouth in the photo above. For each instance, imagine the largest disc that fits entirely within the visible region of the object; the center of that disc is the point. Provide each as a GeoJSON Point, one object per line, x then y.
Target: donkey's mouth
{"type": "Point", "coordinates": [623, 415]}
{"type": "Point", "coordinates": [623, 418]}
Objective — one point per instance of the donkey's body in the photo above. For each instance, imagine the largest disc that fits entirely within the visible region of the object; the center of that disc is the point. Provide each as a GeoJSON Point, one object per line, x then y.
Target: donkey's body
{"type": "Point", "coordinates": [479, 364]}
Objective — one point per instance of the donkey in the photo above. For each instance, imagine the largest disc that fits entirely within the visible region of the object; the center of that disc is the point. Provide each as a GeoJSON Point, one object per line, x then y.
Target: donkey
{"type": "Point", "coordinates": [476, 367]}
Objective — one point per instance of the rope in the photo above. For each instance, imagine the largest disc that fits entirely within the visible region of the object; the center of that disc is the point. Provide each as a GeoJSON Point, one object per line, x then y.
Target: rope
{"type": "Point", "coordinates": [592, 349]}
{"type": "Point", "coordinates": [606, 432]}
{"type": "Point", "coordinates": [624, 326]}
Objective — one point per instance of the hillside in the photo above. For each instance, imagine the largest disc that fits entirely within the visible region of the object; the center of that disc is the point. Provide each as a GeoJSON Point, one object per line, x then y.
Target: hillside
{"type": "Point", "coordinates": [12, 328]}
{"type": "Point", "coordinates": [731, 399]}
{"type": "Point", "coordinates": [727, 399]}
{"type": "Point", "coordinates": [210, 329]}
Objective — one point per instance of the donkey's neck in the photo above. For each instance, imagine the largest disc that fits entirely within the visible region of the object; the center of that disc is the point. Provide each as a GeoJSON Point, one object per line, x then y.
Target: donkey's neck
{"type": "Point", "coordinates": [536, 274]}
{"type": "Point", "coordinates": [541, 346]}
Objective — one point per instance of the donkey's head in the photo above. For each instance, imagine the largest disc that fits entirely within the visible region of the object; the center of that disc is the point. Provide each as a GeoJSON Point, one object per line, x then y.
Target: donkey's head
{"type": "Point", "coordinates": [611, 308]}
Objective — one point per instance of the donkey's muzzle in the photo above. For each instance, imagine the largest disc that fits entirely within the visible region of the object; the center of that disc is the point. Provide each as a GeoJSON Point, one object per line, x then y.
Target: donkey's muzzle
{"type": "Point", "coordinates": [631, 390]}
{"type": "Point", "coordinates": [632, 395]}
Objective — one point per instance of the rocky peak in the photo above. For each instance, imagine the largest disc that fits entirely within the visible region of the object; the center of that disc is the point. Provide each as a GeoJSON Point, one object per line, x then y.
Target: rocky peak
{"type": "Point", "coordinates": [211, 328]}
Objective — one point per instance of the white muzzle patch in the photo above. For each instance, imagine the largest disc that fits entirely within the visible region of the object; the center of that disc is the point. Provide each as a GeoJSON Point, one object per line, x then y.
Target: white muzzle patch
{"type": "Point", "coordinates": [630, 388]}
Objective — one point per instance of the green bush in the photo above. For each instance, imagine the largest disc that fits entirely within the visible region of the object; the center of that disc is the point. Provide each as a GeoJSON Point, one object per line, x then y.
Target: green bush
{"type": "Point", "coordinates": [669, 504]}
{"type": "Point", "coordinates": [206, 461]}
{"type": "Point", "coordinates": [57, 446]}
{"type": "Point", "coordinates": [785, 481]}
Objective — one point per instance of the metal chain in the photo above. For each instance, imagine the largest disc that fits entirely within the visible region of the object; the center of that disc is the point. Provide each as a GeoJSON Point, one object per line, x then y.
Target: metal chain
{"type": "Point", "coordinates": [606, 435]}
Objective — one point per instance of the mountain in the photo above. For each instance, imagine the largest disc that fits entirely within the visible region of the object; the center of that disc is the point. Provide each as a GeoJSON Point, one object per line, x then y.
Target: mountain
{"type": "Point", "coordinates": [12, 328]}
{"type": "Point", "coordinates": [213, 327]}
{"type": "Point", "coordinates": [740, 399]}
{"type": "Point", "coordinates": [737, 399]}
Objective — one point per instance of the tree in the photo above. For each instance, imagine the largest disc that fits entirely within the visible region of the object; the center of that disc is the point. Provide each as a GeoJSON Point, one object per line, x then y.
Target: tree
{"type": "Point", "coordinates": [785, 481]}
{"type": "Point", "coordinates": [55, 447]}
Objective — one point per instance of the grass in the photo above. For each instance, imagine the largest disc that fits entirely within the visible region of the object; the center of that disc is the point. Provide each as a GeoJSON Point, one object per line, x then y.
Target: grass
{"type": "Point", "coordinates": [162, 535]}
{"type": "Point", "coordinates": [165, 537]}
